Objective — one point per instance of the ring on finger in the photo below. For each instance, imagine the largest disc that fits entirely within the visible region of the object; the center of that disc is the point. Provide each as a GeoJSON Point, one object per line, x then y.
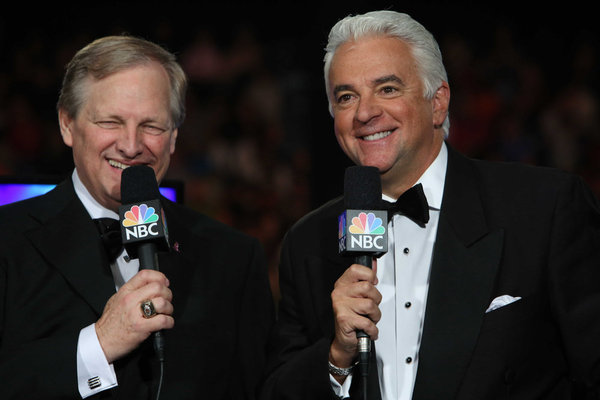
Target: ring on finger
{"type": "Point", "coordinates": [148, 310]}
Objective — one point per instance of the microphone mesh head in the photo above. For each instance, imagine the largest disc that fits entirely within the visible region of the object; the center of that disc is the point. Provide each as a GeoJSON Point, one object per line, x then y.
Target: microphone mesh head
{"type": "Point", "coordinates": [362, 188]}
{"type": "Point", "coordinates": [138, 183]}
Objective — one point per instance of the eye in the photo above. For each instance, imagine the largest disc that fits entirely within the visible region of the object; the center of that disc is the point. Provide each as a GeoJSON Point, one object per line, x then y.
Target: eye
{"type": "Point", "coordinates": [108, 124]}
{"type": "Point", "coordinates": [389, 90]}
{"type": "Point", "coordinates": [344, 98]}
{"type": "Point", "coordinates": [153, 129]}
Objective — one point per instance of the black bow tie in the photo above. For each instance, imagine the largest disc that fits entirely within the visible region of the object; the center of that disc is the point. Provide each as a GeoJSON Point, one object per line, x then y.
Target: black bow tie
{"type": "Point", "coordinates": [110, 233]}
{"type": "Point", "coordinates": [412, 204]}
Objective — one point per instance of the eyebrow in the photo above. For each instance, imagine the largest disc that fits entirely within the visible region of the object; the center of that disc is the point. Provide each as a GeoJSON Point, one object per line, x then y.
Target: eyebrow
{"type": "Point", "coordinates": [378, 81]}
{"type": "Point", "coordinates": [389, 78]}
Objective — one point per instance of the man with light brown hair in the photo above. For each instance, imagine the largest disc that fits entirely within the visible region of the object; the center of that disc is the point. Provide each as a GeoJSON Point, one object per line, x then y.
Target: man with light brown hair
{"type": "Point", "coordinates": [75, 319]}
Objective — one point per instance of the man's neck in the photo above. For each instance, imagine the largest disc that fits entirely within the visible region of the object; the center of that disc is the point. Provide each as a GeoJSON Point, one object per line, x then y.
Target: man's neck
{"type": "Point", "coordinates": [93, 207]}
{"type": "Point", "coordinates": [433, 179]}
{"type": "Point", "coordinates": [394, 186]}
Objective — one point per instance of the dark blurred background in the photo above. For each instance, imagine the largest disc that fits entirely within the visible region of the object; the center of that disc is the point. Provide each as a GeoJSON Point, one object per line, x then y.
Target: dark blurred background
{"type": "Point", "coordinates": [257, 150]}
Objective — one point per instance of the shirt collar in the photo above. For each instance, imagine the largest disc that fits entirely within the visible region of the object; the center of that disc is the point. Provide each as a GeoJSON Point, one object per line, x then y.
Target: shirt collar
{"type": "Point", "coordinates": [432, 180]}
{"type": "Point", "coordinates": [95, 209]}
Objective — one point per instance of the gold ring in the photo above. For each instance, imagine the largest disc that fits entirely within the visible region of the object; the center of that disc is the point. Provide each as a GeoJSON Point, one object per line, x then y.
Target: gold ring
{"type": "Point", "coordinates": [148, 310]}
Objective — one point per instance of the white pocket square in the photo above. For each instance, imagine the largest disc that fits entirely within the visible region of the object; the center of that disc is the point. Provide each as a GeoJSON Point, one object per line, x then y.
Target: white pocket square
{"type": "Point", "coordinates": [501, 301]}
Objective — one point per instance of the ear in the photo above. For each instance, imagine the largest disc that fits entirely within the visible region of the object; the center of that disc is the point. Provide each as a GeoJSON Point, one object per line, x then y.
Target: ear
{"type": "Point", "coordinates": [66, 127]}
{"type": "Point", "coordinates": [172, 140]}
{"type": "Point", "coordinates": [440, 104]}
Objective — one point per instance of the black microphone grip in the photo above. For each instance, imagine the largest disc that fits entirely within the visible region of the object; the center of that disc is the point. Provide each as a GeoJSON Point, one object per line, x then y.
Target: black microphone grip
{"type": "Point", "coordinates": [364, 341]}
{"type": "Point", "coordinates": [148, 257]}
{"type": "Point", "coordinates": [149, 260]}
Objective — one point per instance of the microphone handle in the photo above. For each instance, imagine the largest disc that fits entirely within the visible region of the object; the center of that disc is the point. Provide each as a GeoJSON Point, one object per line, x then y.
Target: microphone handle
{"type": "Point", "coordinates": [364, 341]}
{"type": "Point", "coordinates": [148, 256]}
{"type": "Point", "coordinates": [149, 260]}
{"type": "Point", "coordinates": [364, 259]}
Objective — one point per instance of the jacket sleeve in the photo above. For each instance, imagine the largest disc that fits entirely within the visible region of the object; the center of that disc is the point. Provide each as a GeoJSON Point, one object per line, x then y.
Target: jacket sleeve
{"type": "Point", "coordinates": [256, 318]}
{"type": "Point", "coordinates": [574, 266]}
{"type": "Point", "coordinates": [297, 364]}
{"type": "Point", "coordinates": [42, 367]}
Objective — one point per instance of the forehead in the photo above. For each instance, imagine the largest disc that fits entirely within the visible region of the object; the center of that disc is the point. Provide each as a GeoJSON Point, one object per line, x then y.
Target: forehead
{"type": "Point", "coordinates": [371, 58]}
{"type": "Point", "coordinates": [139, 88]}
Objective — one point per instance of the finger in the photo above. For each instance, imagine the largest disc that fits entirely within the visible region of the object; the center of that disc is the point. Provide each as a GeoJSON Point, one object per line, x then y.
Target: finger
{"type": "Point", "coordinates": [162, 305]}
{"type": "Point", "coordinates": [367, 308]}
{"type": "Point", "coordinates": [348, 324]}
{"type": "Point", "coordinates": [145, 277]}
{"type": "Point", "coordinates": [371, 330]}
{"type": "Point", "coordinates": [154, 324]}
{"type": "Point", "coordinates": [356, 273]}
{"type": "Point", "coordinates": [366, 325]}
{"type": "Point", "coordinates": [150, 291]}
{"type": "Point", "coordinates": [361, 289]}
{"type": "Point", "coordinates": [360, 307]}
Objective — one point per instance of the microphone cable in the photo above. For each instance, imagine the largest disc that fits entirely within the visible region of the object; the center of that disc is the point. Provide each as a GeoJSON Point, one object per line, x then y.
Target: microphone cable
{"type": "Point", "coordinates": [160, 379]}
{"type": "Point", "coordinates": [159, 348]}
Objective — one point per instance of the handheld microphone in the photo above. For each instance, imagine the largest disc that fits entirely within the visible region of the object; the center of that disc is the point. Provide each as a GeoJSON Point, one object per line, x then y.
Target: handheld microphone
{"type": "Point", "coordinates": [143, 225]}
{"type": "Point", "coordinates": [362, 232]}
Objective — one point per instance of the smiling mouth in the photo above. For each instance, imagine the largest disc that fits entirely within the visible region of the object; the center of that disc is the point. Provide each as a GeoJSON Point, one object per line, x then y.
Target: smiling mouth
{"type": "Point", "coordinates": [377, 136]}
{"type": "Point", "coordinates": [117, 164]}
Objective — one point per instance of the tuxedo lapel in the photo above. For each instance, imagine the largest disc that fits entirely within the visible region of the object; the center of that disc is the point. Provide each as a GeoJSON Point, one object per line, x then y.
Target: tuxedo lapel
{"type": "Point", "coordinates": [69, 241]}
{"type": "Point", "coordinates": [192, 261]}
{"type": "Point", "coordinates": [466, 257]}
{"type": "Point", "coordinates": [324, 266]}
{"type": "Point", "coordinates": [181, 261]}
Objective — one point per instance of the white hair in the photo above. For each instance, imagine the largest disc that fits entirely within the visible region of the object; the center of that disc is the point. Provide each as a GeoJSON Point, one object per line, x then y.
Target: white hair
{"type": "Point", "coordinates": [422, 44]}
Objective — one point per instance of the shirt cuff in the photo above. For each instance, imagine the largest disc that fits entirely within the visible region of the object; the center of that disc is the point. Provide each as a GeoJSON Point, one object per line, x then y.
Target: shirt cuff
{"type": "Point", "coordinates": [341, 390]}
{"type": "Point", "coordinates": [94, 373]}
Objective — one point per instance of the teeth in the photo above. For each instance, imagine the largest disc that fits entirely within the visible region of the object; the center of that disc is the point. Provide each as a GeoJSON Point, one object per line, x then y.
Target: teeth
{"type": "Point", "coordinates": [377, 136]}
{"type": "Point", "coordinates": [117, 164]}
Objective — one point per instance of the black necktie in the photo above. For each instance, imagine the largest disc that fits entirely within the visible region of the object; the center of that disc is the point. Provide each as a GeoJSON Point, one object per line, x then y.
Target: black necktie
{"type": "Point", "coordinates": [110, 233]}
{"type": "Point", "coordinates": [412, 204]}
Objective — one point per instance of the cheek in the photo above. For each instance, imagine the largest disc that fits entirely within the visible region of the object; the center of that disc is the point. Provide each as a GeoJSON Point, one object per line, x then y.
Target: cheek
{"type": "Point", "coordinates": [161, 149]}
{"type": "Point", "coordinates": [172, 145]}
{"type": "Point", "coordinates": [93, 140]}
{"type": "Point", "coordinates": [158, 145]}
{"type": "Point", "coordinates": [342, 126]}
{"type": "Point", "coordinates": [339, 136]}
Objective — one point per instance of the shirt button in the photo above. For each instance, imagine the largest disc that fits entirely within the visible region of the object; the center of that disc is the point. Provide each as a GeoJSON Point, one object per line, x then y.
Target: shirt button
{"type": "Point", "coordinates": [407, 304]}
{"type": "Point", "coordinates": [408, 360]}
{"type": "Point", "coordinates": [406, 250]}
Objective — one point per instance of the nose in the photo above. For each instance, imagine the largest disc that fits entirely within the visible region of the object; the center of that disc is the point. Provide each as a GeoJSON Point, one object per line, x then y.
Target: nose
{"type": "Point", "coordinates": [129, 142]}
{"type": "Point", "coordinates": [368, 108]}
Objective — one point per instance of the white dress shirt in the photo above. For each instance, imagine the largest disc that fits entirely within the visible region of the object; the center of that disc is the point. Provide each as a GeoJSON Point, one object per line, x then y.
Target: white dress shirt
{"type": "Point", "coordinates": [403, 274]}
{"type": "Point", "coordinates": [91, 361]}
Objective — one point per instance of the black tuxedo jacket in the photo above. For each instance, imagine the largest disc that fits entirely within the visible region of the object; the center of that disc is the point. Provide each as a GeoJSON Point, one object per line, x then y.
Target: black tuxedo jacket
{"type": "Point", "coordinates": [503, 229]}
{"type": "Point", "coordinates": [55, 280]}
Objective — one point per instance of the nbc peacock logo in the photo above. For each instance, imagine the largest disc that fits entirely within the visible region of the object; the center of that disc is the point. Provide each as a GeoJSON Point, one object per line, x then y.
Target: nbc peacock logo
{"type": "Point", "coordinates": [139, 215]}
{"type": "Point", "coordinates": [367, 224]}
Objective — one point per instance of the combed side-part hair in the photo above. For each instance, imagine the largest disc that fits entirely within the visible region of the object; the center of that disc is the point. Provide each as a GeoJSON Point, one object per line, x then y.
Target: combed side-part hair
{"type": "Point", "coordinates": [111, 54]}
{"type": "Point", "coordinates": [423, 45]}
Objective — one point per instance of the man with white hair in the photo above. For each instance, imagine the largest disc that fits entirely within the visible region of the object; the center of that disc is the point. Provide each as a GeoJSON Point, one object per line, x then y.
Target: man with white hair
{"type": "Point", "coordinates": [493, 294]}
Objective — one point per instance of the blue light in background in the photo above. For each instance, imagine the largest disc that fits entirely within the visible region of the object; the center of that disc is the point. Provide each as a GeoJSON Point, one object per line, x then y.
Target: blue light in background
{"type": "Point", "coordinates": [11, 192]}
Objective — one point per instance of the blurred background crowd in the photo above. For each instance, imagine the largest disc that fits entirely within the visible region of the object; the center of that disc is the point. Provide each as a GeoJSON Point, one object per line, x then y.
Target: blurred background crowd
{"type": "Point", "coordinates": [257, 149]}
